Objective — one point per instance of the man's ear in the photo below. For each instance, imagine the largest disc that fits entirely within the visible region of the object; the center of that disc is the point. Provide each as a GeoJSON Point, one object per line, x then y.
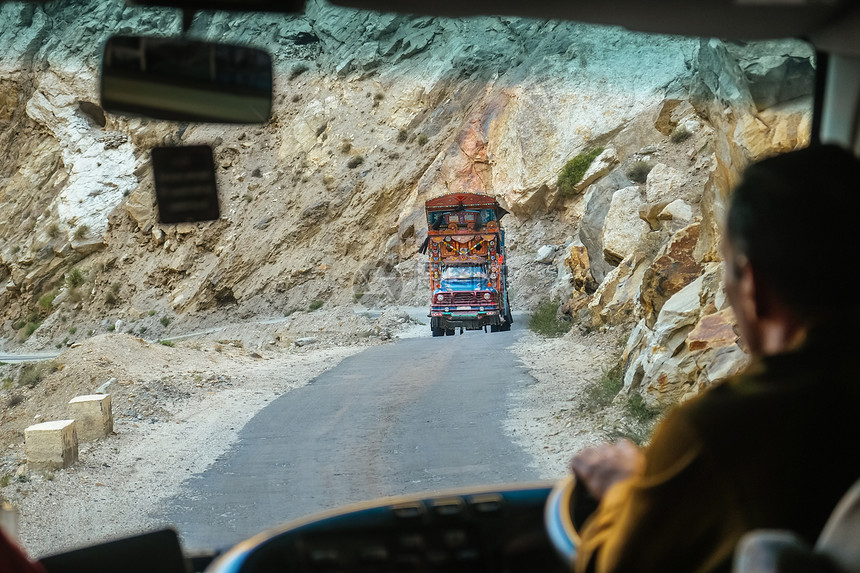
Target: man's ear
{"type": "Point", "coordinates": [750, 290]}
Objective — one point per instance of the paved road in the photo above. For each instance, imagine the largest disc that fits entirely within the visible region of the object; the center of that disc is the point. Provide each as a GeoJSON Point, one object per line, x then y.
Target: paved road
{"type": "Point", "coordinates": [14, 358]}
{"type": "Point", "coordinates": [393, 419]}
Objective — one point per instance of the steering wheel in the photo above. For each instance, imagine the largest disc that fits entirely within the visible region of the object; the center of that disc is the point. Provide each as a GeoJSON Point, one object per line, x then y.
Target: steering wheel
{"type": "Point", "coordinates": [559, 518]}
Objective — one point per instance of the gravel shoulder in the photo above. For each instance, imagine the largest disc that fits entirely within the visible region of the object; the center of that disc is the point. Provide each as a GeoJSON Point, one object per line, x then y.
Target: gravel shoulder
{"type": "Point", "coordinates": [209, 389]}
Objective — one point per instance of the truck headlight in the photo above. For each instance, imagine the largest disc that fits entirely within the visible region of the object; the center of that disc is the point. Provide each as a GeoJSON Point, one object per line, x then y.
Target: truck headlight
{"type": "Point", "coordinates": [440, 297]}
{"type": "Point", "coordinates": [486, 296]}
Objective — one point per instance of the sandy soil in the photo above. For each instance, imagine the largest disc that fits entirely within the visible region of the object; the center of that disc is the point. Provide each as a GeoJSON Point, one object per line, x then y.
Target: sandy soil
{"type": "Point", "coordinates": [209, 388]}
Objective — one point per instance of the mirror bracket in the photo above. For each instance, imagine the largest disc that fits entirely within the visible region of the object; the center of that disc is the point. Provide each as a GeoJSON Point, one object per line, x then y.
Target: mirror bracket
{"type": "Point", "coordinates": [187, 18]}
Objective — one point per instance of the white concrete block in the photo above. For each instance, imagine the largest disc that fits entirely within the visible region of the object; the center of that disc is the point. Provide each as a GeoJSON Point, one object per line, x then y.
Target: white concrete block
{"type": "Point", "coordinates": [51, 445]}
{"type": "Point", "coordinates": [93, 416]}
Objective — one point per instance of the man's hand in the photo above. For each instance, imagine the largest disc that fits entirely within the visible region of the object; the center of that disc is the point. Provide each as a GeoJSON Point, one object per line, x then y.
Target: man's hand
{"type": "Point", "coordinates": [601, 467]}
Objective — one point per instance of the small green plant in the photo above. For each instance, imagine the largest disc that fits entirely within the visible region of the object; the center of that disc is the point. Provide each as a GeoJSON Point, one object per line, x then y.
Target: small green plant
{"type": "Point", "coordinates": [357, 296]}
{"type": "Point", "coordinates": [575, 169]}
{"type": "Point", "coordinates": [110, 299]}
{"type": "Point", "coordinates": [142, 330]}
{"type": "Point", "coordinates": [680, 134]}
{"type": "Point", "coordinates": [151, 313]}
{"type": "Point", "coordinates": [601, 393]}
{"type": "Point", "coordinates": [544, 320]}
{"type": "Point", "coordinates": [18, 325]}
{"type": "Point", "coordinates": [49, 476]}
{"type": "Point", "coordinates": [75, 277]}
{"type": "Point", "coordinates": [639, 170]}
{"type": "Point", "coordinates": [111, 328]}
{"type": "Point", "coordinates": [46, 300]}
{"type": "Point", "coordinates": [82, 231]}
{"type": "Point", "coordinates": [248, 197]}
{"type": "Point", "coordinates": [298, 70]}
{"type": "Point", "coordinates": [315, 305]}
{"type": "Point", "coordinates": [8, 383]}
{"type": "Point", "coordinates": [164, 321]}
{"type": "Point", "coordinates": [33, 373]}
{"type": "Point", "coordinates": [73, 330]}
{"type": "Point", "coordinates": [90, 332]}
{"type": "Point", "coordinates": [639, 409]}
{"type": "Point", "coordinates": [22, 479]}
{"type": "Point", "coordinates": [4, 481]}
{"type": "Point", "coordinates": [30, 328]}
{"type": "Point", "coordinates": [75, 295]}
{"type": "Point", "coordinates": [166, 343]}
{"type": "Point", "coordinates": [402, 136]}
{"type": "Point", "coordinates": [54, 230]}
{"type": "Point", "coordinates": [422, 140]}
{"type": "Point", "coordinates": [15, 400]}
{"type": "Point", "coordinates": [355, 161]}
{"type": "Point", "coordinates": [379, 96]}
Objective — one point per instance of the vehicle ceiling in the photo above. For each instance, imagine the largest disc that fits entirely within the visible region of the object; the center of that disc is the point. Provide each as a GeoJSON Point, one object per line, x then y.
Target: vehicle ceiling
{"type": "Point", "coordinates": [832, 25]}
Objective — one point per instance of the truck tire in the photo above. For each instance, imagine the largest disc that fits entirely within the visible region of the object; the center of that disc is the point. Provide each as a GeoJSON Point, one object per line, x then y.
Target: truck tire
{"type": "Point", "coordinates": [450, 332]}
{"type": "Point", "coordinates": [495, 327]}
{"type": "Point", "coordinates": [437, 331]}
{"type": "Point", "coordinates": [506, 325]}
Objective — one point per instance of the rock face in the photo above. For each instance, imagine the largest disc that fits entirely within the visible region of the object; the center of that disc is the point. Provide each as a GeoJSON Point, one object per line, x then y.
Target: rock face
{"type": "Point", "coordinates": [374, 114]}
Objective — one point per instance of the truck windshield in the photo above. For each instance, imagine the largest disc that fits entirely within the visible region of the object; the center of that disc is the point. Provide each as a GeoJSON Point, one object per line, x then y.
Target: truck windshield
{"type": "Point", "coordinates": [464, 278]}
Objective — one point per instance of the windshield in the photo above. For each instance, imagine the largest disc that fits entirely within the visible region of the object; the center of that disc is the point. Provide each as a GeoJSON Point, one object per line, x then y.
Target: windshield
{"type": "Point", "coordinates": [282, 360]}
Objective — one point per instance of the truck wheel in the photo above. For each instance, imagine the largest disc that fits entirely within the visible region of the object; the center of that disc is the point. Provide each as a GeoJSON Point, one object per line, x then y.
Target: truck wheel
{"type": "Point", "coordinates": [437, 331]}
{"type": "Point", "coordinates": [505, 327]}
{"type": "Point", "coordinates": [449, 332]}
{"type": "Point", "coordinates": [495, 328]}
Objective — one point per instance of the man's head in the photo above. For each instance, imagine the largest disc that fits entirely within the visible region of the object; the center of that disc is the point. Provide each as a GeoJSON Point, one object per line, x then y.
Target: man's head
{"type": "Point", "coordinates": [791, 244]}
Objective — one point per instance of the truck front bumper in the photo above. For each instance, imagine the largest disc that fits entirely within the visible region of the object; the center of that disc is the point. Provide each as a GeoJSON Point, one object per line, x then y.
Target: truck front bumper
{"type": "Point", "coordinates": [471, 319]}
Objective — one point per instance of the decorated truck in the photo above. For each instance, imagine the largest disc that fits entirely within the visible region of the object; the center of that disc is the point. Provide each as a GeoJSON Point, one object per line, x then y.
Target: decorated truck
{"type": "Point", "coordinates": [468, 274]}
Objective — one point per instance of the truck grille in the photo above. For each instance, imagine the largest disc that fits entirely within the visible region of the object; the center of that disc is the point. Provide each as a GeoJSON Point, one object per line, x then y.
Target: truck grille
{"type": "Point", "coordinates": [464, 298]}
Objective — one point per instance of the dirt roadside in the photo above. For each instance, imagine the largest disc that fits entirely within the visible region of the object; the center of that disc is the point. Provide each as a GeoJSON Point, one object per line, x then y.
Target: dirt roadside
{"type": "Point", "coordinates": [207, 391]}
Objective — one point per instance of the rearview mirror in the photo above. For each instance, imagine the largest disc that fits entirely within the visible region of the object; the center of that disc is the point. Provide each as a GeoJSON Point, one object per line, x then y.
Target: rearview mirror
{"type": "Point", "coordinates": [186, 80]}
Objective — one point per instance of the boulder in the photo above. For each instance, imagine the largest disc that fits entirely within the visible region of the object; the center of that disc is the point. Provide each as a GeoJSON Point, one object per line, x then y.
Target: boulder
{"type": "Point", "coordinates": [713, 331]}
{"type": "Point", "coordinates": [602, 164]}
{"type": "Point", "coordinates": [623, 229]}
{"type": "Point", "coordinates": [580, 268]}
{"type": "Point", "coordinates": [775, 130]}
{"type": "Point", "coordinates": [678, 211]}
{"type": "Point", "coordinates": [722, 364]}
{"type": "Point", "coordinates": [88, 246]}
{"type": "Point", "coordinates": [681, 310]}
{"type": "Point", "coordinates": [673, 268]}
{"type": "Point", "coordinates": [615, 299]}
{"type": "Point", "coordinates": [140, 206]}
{"type": "Point", "coordinates": [597, 199]}
{"type": "Point", "coordinates": [776, 71]}
{"type": "Point", "coordinates": [545, 254]}
{"type": "Point", "coordinates": [663, 184]}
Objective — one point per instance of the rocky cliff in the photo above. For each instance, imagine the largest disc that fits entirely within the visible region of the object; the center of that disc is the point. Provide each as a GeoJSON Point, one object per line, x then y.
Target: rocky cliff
{"type": "Point", "coordinates": [374, 114]}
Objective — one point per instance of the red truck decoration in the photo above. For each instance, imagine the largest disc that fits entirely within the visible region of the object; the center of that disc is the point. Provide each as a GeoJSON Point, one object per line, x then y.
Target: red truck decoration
{"type": "Point", "coordinates": [468, 274]}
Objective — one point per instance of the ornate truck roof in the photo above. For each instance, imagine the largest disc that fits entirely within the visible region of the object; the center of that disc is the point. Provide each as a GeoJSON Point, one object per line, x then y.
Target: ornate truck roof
{"type": "Point", "coordinates": [463, 201]}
